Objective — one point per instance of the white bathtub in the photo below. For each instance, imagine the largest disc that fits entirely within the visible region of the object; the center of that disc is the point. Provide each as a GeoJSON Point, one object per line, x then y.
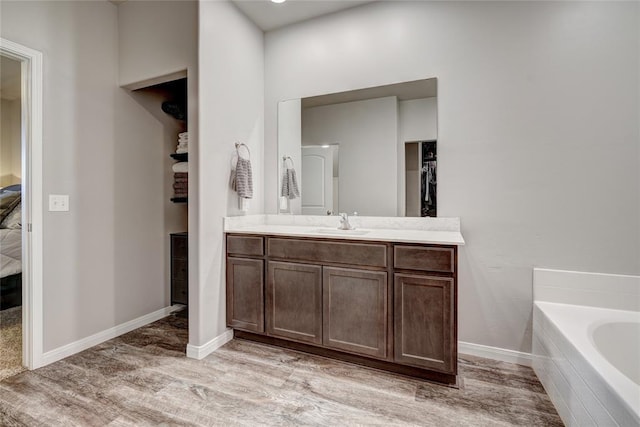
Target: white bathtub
{"type": "Point", "coordinates": [587, 357]}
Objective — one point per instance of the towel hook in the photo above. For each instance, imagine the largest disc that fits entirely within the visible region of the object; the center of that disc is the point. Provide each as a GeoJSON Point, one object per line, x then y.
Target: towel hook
{"type": "Point", "coordinates": [240, 145]}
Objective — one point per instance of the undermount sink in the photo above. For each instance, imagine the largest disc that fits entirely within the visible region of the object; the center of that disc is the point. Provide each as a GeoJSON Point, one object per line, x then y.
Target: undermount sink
{"type": "Point", "coordinates": [339, 232]}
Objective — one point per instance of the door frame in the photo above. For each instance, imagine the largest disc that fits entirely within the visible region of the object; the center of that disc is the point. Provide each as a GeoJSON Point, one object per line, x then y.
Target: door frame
{"type": "Point", "coordinates": [32, 205]}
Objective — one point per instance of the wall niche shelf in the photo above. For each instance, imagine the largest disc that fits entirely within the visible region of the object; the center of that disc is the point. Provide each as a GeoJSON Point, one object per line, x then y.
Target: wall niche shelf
{"type": "Point", "coordinates": [182, 157]}
{"type": "Point", "coordinates": [179, 199]}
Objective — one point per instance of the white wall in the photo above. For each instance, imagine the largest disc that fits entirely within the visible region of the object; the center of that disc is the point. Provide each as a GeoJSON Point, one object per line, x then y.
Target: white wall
{"type": "Point", "coordinates": [156, 38]}
{"type": "Point", "coordinates": [538, 139]}
{"type": "Point", "coordinates": [10, 143]}
{"type": "Point", "coordinates": [103, 259]}
{"type": "Point", "coordinates": [366, 132]}
{"type": "Point", "coordinates": [231, 66]}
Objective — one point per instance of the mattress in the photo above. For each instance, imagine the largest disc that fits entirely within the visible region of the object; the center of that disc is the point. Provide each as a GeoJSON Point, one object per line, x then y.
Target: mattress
{"type": "Point", "coordinates": [10, 252]}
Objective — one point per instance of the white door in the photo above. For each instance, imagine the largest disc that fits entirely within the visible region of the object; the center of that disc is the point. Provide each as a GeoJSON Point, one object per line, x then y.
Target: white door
{"type": "Point", "coordinates": [317, 180]}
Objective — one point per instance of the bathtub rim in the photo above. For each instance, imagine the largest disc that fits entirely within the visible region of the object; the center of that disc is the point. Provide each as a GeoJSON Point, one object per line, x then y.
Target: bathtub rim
{"type": "Point", "coordinates": [575, 323]}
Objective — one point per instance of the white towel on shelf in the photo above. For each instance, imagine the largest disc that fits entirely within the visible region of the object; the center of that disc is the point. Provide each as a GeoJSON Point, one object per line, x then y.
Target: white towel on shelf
{"type": "Point", "coordinates": [180, 167]}
{"type": "Point", "coordinates": [182, 150]}
{"type": "Point", "coordinates": [183, 135]}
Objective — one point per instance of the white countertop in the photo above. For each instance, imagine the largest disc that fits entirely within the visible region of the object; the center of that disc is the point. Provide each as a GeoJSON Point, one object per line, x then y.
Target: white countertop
{"type": "Point", "coordinates": [426, 236]}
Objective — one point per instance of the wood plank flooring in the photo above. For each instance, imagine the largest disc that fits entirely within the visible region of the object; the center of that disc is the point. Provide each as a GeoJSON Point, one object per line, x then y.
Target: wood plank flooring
{"type": "Point", "coordinates": [143, 379]}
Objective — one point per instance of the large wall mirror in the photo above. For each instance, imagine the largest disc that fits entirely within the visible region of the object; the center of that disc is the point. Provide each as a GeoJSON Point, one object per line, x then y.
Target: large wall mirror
{"type": "Point", "coordinates": [372, 151]}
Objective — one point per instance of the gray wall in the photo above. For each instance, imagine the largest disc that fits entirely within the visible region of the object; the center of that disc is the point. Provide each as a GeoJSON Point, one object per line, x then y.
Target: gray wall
{"type": "Point", "coordinates": [538, 139]}
{"type": "Point", "coordinates": [156, 38]}
{"type": "Point", "coordinates": [10, 142]}
{"type": "Point", "coordinates": [103, 259]}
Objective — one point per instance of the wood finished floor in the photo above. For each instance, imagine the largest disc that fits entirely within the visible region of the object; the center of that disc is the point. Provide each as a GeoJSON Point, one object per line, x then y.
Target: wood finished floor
{"type": "Point", "coordinates": [143, 379]}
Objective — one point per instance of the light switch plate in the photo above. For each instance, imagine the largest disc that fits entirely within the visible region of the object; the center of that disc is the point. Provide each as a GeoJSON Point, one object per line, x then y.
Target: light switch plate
{"type": "Point", "coordinates": [58, 202]}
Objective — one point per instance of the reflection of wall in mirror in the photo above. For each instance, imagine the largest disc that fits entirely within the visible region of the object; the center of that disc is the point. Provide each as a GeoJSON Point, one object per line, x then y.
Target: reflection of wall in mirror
{"type": "Point", "coordinates": [289, 141]}
{"type": "Point", "coordinates": [366, 132]}
{"type": "Point", "coordinates": [417, 122]}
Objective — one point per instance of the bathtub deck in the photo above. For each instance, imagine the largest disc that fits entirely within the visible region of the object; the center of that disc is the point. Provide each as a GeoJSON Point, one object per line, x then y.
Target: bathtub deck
{"type": "Point", "coordinates": [585, 388]}
{"type": "Point", "coordinates": [143, 378]}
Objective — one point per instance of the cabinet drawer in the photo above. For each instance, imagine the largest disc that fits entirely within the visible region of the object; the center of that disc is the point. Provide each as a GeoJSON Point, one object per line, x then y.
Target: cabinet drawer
{"type": "Point", "coordinates": [245, 245]}
{"type": "Point", "coordinates": [423, 258]}
{"type": "Point", "coordinates": [179, 269]}
{"type": "Point", "coordinates": [349, 253]}
{"type": "Point", "coordinates": [179, 292]}
{"type": "Point", "coordinates": [179, 246]}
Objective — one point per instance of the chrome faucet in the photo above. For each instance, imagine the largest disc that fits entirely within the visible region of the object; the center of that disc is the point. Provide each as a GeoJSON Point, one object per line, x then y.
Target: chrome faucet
{"type": "Point", "coordinates": [344, 222]}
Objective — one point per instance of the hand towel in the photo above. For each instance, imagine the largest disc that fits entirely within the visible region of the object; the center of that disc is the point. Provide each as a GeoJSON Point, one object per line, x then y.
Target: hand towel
{"type": "Point", "coordinates": [181, 167]}
{"type": "Point", "coordinates": [243, 181]}
{"type": "Point", "coordinates": [289, 188]}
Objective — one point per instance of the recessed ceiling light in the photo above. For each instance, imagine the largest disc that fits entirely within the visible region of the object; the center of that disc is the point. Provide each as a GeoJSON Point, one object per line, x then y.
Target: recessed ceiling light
{"type": "Point", "coordinates": [278, 1]}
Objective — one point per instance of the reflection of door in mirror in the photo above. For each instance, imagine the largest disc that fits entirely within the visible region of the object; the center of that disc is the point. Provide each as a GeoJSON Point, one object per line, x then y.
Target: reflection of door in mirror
{"type": "Point", "coordinates": [317, 180]}
{"type": "Point", "coordinates": [420, 179]}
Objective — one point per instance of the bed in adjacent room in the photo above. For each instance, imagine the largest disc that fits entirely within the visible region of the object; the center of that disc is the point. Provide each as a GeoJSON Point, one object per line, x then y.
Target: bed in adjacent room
{"type": "Point", "coordinates": [10, 247]}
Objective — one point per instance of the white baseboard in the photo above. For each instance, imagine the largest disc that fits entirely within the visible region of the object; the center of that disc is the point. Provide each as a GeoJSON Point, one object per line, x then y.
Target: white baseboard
{"type": "Point", "coordinates": [95, 339]}
{"type": "Point", "coordinates": [495, 353]}
{"type": "Point", "coordinates": [201, 351]}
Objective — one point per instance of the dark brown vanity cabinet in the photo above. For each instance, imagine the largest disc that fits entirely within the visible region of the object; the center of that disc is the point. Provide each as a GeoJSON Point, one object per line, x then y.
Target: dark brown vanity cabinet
{"type": "Point", "coordinates": [424, 337]}
{"type": "Point", "coordinates": [294, 301]}
{"type": "Point", "coordinates": [385, 305]}
{"type": "Point", "coordinates": [355, 306]}
{"type": "Point", "coordinates": [245, 283]}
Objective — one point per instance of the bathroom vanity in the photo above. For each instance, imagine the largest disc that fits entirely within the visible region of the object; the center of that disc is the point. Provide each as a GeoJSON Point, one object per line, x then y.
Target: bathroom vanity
{"type": "Point", "coordinates": [383, 299]}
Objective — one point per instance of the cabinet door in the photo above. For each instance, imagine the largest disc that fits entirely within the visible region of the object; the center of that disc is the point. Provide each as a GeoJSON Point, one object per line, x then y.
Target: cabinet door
{"type": "Point", "coordinates": [245, 294]}
{"type": "Point", "coordinates": [355, 310]}
{"type": "Point", "coordinates": [424, 322]}
{"type": "Point", "coordinates": [294, 301]}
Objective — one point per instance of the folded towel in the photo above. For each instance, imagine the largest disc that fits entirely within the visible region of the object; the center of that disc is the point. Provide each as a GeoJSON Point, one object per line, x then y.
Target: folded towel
{"type": "Point", "coordinates": [182, 150]}
{"type": "Point", "coordinates": [289, 187]}
{"type": "Point", "coordinates": [181, 167]}
{"type": "Point", "coordinates": [180, 179]}
{"type": "Point", "coordinates": [183, 135]}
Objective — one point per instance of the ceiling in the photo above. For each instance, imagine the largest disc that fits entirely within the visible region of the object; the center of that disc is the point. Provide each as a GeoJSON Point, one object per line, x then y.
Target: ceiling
{"type": "Point", "coordinates": [9, 78]}
{"type": "Point", "coordinates": [270, 16]}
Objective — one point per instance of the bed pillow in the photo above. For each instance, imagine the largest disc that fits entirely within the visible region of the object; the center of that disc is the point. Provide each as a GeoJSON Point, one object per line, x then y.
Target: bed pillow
{"type": "Point", "coordinates": [8, 201]}
{"type": "Point", "coordinates": [14, 219]}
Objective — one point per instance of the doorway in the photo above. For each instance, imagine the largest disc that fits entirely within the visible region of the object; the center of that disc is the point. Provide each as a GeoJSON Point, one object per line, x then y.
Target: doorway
{"type": "Point", "coordinates": [10, 217]}
{"type": "Point", "coordinates": [20, 208]}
